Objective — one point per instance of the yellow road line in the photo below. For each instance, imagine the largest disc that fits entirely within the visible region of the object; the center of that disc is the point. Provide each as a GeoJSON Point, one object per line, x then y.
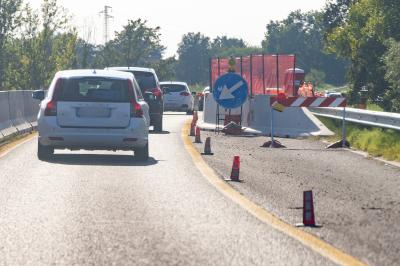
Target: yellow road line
{"type": "Point", "coordinates": [7, 148]}
{"type": "Point", "coordinates": [309, 240]}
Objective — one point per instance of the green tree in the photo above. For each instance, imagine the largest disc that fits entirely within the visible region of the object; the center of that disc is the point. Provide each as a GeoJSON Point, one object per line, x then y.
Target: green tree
{"type": "Point", "coordinates": [316, 77]}
{"type": "Point", "coordinates": [9, 19]}
{"type": "Point", "coordinates": [85, 54]}
{"type": "Point", "coordinates": [53, 20]}
{"type": "Point", "coordinates": [392, 76]}
{"type": "Point", "coordinates": [223, 46]}
{"type": "Point", "coordinates": [45, 45]}
{"type": "Point", "coordinates": [303, 34]}
{"type": "Point", "coordinates": [335, 13]}
{"type": "Point", "coordinates": [194, 53]}
{"type": "Point", "coordinates": [138, 44]}
{"type": "Point", "coordinates": [362, 38]}
{"type": "Point", "coordinates": [166, 68]}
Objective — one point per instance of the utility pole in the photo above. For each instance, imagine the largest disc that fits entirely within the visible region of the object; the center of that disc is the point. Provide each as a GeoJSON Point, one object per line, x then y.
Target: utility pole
{"type": "Point", "coordinates": [106, 13]}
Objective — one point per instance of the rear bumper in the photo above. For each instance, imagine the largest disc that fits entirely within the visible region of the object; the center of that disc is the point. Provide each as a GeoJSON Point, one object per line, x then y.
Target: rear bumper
{"type": "Point", "coordinates": [134, 136]}
{"type": "Point", "coordinates": [182, 108]}
{"type": "Point", "coordinates": [178, 106]}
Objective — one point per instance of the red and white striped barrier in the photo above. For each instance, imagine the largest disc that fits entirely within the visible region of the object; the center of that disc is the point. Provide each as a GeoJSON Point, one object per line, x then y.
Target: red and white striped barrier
{"type": "Point", "coordinates": [310, 101]}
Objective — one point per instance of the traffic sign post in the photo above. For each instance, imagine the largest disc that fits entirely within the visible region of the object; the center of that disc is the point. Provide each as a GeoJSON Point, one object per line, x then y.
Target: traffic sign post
{"type": "Point", "coordinates": [230, 91]}
{"type": "Point", "coordinates": [344, 128]}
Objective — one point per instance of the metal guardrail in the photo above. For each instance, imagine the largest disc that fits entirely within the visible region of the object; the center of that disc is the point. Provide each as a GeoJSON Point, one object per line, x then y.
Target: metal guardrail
{"type": "Point", "coordinates": [359, 116]}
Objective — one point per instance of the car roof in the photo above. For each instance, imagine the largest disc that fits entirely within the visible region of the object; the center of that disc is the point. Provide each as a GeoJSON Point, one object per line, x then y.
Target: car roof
{"type": "Point", "coordinates": [142, 69]}
{"type": "Point", "coordinates": [173, 83]}
{"type": "Point", "coordinates": [94, 73]}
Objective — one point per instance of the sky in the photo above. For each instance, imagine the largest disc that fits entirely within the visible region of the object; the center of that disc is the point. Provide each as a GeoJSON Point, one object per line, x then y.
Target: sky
{"type": "Point", "coordinates": [241, 19]}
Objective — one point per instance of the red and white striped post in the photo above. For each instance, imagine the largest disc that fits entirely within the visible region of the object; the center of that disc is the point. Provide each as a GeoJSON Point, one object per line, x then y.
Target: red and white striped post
{"type": "Point", "coordinates": [311, 102]}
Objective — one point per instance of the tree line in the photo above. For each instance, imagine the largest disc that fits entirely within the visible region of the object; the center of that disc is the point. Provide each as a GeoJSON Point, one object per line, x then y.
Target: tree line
{"type": "Point", "coordinates": [348, 41]}
{"type": "Point", "coordinates": [354, 42]}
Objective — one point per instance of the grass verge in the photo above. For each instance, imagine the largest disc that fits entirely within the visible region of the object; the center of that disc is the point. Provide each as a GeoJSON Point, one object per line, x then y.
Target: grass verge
{"type": "Point", "coordinates": [377, 142]}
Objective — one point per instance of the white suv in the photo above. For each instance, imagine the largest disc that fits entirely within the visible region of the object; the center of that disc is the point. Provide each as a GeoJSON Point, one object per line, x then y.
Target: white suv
{"type": "Point", "coordinates": [93, 110]}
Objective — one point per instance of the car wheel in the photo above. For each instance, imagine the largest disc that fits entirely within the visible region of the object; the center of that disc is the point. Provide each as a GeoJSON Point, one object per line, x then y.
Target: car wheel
{"type": "Point", "coordinates": [142, 154]}
{"type": "Point", "coordinates": [44, 152]}
{"type": "Point", "coordinates": [158, 127]}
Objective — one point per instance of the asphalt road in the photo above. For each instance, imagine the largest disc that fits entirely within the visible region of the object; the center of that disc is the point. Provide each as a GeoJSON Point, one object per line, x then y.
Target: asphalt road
{"type": "Point", "coordinates": [357, 199]}
{"type": "Point", "coordinates": [101, 208]}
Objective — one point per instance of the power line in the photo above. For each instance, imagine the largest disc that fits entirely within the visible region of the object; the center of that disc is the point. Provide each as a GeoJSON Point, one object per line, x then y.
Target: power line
{"type": "Point", "coordinates": [106, 13]}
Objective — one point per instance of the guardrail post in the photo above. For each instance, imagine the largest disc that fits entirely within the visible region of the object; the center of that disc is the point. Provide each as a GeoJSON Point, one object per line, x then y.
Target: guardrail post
{"type": "Point", "coordinates": [344, 128]}
{"type": "Point", "coordinates": [272, 127]}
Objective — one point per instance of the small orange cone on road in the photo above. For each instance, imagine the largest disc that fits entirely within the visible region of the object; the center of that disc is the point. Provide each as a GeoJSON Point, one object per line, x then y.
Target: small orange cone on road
{"type": "Point", "coordinates": [308, 210]}
{"type": "Point", "coordinates": [192, 130]}
{"type": "Point", "coordinates": [207, 147]}
{"type": "Point", "coordinates": [197, 138]}
{"type": "Point", "coordinates": [235, 169]}
{"type": "Point", "coordinates": [195, 117]}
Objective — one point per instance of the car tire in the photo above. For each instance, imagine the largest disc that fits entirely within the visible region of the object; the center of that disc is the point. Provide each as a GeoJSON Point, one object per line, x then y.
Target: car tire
{"type": "Point", "coordinates": [142, 154]}
{"type": "Point", "coordinates": [44, 152]}
{"type": "Point", "coordinates": [158, 126]}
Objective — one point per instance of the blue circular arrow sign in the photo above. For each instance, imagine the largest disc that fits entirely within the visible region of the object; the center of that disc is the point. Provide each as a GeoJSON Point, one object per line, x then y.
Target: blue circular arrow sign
{"type": "Point", "coordinates": [230, 91]}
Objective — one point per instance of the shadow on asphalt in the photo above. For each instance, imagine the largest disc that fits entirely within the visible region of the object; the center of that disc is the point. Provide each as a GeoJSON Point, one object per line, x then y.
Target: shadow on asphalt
{"type": "Point", "coordinates": [99, 159]}
{"type": "Point", "coordinates": [177, 113]}
{"type": "Point", "coordinates": [326, 150]}
{"type": "Point", "coordinates": [159, 133]}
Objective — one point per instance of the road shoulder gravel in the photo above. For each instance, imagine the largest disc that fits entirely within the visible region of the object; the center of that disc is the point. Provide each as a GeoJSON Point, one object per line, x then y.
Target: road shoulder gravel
{"type": "Point", "coordinates": [356, 198]}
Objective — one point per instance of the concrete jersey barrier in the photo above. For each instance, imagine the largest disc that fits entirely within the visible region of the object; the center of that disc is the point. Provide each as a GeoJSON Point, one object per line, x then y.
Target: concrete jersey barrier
{"type": "Point", "coordinates": [6, 126]}
{"type": "Point", "coordinates": [31, 108]}
{"type": "Point", "coordinates": [256, 117]}
{"type": "Point", "coordinates": [18, 112]}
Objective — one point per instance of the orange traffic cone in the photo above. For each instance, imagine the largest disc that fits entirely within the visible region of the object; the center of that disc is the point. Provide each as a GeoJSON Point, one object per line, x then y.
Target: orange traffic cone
{"type": "Point", "coordinates": [192, 130]}
{"type": "Point", "coordinates": [197, 139]}
{"type": "Point", "coordinates": [195, 117]}
{"type": "Point", "coordinates": [207, 147]}
{"type": "Point", "coordinates": [235, 169]}
{"type": "Point", "coordinates": [308, 210]}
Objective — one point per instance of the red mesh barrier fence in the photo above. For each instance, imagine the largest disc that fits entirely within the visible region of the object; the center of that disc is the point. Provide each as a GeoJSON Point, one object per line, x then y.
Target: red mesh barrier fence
{"type": "Point", "coordinates": [286, 66]}
{"type": "Point", "coordinates": [257, 75]}
{"type": "Point", "coordinates": [246, 69]}
{"type": "Point", "coordinates": [270, 74]}
{"type": "Point", "coordinates": [265, 74]}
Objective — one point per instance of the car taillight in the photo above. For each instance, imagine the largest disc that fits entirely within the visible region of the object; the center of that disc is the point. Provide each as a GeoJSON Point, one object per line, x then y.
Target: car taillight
{"type": "Point", "coordinates": [156, 92]}
{"type": "Point", "coordinates": [51, 109]}
{"type": "Point", "coordinates": [136, 109]}
{"type": "Point", "coordinates": [185, 93]}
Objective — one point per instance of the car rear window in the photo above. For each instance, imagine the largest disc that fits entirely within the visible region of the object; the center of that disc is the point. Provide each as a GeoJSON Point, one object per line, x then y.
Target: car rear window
{"type": "Point", "coordinates": [167, 88]}
{"type": "Point", "coordinates": [146, 80]}
{"type": "Point", "coordinates": [94, 90]}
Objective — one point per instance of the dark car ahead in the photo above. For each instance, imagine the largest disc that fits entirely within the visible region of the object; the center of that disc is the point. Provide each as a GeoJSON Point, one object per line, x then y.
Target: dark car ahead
{"type": "Point", "coordinates": [150, 87]}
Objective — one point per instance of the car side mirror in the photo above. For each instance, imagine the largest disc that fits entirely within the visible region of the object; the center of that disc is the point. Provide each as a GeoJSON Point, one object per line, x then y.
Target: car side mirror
{"type": "Point", "coordinates": [38, 95]}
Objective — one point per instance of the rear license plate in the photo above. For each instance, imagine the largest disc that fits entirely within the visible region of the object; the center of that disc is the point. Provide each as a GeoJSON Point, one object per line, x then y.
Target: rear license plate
{"type": "Point", "coordinates": [94, 112]}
